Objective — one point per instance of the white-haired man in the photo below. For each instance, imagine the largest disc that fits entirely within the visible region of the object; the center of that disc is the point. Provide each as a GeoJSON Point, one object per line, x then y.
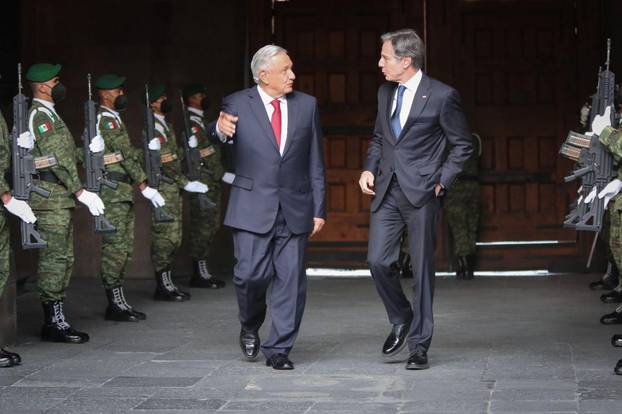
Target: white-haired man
{"type": "Point", "coordinates": [276, 202]}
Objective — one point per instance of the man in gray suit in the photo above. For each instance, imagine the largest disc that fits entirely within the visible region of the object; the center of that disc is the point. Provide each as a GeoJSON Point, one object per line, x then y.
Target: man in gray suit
{"type": "Point", "coordinates": [407, 170]}
{"type": "Point", "coordinates": [276, 200]}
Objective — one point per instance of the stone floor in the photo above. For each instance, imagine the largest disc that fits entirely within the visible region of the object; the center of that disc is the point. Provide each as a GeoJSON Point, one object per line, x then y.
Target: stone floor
{"type": "Point", "coordinates": [501, 345]}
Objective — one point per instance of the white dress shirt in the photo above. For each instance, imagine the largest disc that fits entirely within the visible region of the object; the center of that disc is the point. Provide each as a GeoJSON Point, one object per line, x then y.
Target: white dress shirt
{"type": "Point", "coordinates": [409, 96]}
{"type": "Point", "coordinates": [267, 102]}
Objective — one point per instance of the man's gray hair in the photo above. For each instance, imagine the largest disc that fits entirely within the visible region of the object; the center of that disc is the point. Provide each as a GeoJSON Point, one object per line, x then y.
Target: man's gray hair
{"type": "Point", "coordinates": [261, 59]}
{"type": "Point", "coordinates": [406, 43]}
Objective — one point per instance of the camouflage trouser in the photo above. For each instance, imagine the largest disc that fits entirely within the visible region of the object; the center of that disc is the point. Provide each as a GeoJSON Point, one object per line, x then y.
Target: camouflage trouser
{"type": "Point", "coordinates": [204, 224]}
{"type": "Point", "coordinates": [461, 209]}
{"type": "Point", "coordinates": [55, 261]}
{"type": "Point", "coordinates": [117, 247]}
{"type": "Point", "coordinates": [4, 251]}
{"type": "Point", "coordinates": [166, 237]}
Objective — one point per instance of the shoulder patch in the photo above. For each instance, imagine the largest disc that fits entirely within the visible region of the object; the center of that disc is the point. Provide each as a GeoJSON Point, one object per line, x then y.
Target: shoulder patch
{"type": "Point", "coordinates": [44, 127]}
{"type": "Point", "coordinates": [110, 124]}
{"type": "Point", "coordinates": [195, 129]}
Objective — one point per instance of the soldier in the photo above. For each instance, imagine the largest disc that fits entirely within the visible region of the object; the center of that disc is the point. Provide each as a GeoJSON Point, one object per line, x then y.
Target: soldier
{"type": "Point", "coordinates": [203, 223]}
{"type": "Point", "coordinates": [166, 237]}
{"type": "Point", "coordinates": [17, 207]}
{"type": "Point", "coordinates": [612, 140]}
{"type": "Point", "coordinates": [123, 166]}
{"type": "Point", "coordinates": [55, 213]}
{"type": "Point", "coordinates": [461, 208]}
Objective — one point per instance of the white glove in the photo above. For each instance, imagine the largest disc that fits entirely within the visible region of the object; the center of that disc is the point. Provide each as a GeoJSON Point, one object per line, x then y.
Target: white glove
{"type": "Point", "coordinates": [193, 142]}
{"type": "Point", "coordinates": [21, 209]}
{"type": "Point", "coordinates": [97, 144]}
{"type": "Point", "coordinates": [611, 190]}
{"type": "Point", "coordinates": [591, 196]}
{"type": "Point", "coordinates": [601, 121]}
{"type": "Point", "coordinates": [26, 140]}
{"type": "Point", "coordinates": [196, 187]}
{"type": "Point", "coordinates": [154, 144]}
{"type": "Point", "coordinates": [154, 196]}
{"type": "Point", "coordinates": [93, 202]}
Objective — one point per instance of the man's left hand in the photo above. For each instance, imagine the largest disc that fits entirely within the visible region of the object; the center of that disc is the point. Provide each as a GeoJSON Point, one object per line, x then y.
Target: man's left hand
{"type": "Point", "coordinates": [318, 223]}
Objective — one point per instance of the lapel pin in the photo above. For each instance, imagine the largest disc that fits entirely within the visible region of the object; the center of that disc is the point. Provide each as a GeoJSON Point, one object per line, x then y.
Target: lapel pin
{"type": "Point", "coordinates": [424, 96]}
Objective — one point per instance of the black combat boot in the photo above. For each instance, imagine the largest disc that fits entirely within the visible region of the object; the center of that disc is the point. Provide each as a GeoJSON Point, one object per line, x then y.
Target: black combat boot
{"type": "Point", "coordinates": [17, 360]}
{"type": "Point", "coordinates": [202, 278]}
{"type": "Point", "coordinates": [56, 329]}
{"type": "Point", "coordinates": [461, 268]}
{"type": "Point", "coordinates": [609, 280]}
{"type": "Point", "coordinates": [470, 267]}
{"type": "Point", "coordinates": [6, 360]}
{"type": "Point", "coordinates": [165, 289]}
{"type": "Point", "coordinates": [140, 315]}
{"type": "Point", "coordinates": [116, 310]}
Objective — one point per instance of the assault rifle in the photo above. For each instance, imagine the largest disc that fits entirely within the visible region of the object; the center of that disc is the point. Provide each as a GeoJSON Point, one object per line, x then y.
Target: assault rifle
{"type": "Point", "coordinates": [153, 162]}
{"type": "Point", "coordinates": [23, 166]}
{"type": "Point", "coordinates": [193, 159]}
{"type": "Point", "coordinates": [94, 161]}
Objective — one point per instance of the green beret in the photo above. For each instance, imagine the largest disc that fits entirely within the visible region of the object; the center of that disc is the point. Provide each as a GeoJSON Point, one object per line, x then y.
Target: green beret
{"type": "Point", "coordinates": [155, 91]}
{"type": "Point", "coordinates": [191, 89]}
{"type": "Point", "coordinates": [110, 81]}
{"type": "Point", "coordinates": [42, 72]}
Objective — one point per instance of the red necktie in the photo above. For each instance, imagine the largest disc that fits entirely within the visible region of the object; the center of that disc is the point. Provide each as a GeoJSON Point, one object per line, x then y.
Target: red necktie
{"type": "Point", "coordinates": [276, 121]}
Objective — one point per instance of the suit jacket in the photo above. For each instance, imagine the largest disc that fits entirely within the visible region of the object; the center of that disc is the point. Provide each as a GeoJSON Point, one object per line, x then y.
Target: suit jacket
{"type": "Point", "coordinates": [418, 156]}
{"type": "Point", "coordinates": [265, 180]}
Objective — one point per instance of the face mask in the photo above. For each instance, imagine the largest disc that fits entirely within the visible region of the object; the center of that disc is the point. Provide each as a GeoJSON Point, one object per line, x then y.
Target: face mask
{"type": "Point", "coordinates": [204, 104]}
{"type": "Point", "coordinates": [166, 106]}
{"type": "Point", "coordinates": [58, 92]}
{"type": "Point", "coordinates": [120, 103]}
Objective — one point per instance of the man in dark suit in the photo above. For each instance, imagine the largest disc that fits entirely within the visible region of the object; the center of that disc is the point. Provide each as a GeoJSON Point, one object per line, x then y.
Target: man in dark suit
{"type": "Point", "coordinates": [276, 200]}
{"type": "Point", "coordinates": [406, 171]}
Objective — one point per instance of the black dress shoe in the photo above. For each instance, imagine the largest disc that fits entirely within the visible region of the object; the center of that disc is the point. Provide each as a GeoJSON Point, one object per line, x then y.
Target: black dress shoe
{"type": "Point", "coordinates": [618, 368]}
{"type": "Point", "coordinates": [6, 360]}
{"type": "Point", "coordinates": [17, 360]}
{"type": "Point", "coordinates": [249, 343]}
{"type": "Point", "coordinates": [611, 297]}
{"type": "Point", "coordinates": [280, 362]}
{"type": "Point", "coordinates": [612, 318]}
{"type": "Point", "coordinates": [418, 360]}
{"type": "Point", "coordinates": [396, 340]}
{"type": "Point", "coordinates": [616, 340]}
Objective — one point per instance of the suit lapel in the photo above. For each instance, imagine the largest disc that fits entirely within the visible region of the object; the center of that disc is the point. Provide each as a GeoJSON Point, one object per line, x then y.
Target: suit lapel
{"type": "Point", "coordinates": [260, 113]}
{"type": "Point", "coordinates": [291, 121]}
{"type": "Point", "coordinates": [421, 98]}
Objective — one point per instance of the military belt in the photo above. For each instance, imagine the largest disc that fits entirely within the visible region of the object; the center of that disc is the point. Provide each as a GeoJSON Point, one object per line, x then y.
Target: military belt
{"type": "Point", "coordinates": [120, 177]}
{"type": "Point", "coordinates": [49, 177]}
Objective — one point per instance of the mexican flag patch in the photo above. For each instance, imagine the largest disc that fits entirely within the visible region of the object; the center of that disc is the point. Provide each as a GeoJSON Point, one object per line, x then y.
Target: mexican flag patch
{"type": "Point", "coordinates": [195, 130]}
{"type": "Point", "coordinates": [111, 124]}
{"type": "Point", "coordinates": [44, 127]}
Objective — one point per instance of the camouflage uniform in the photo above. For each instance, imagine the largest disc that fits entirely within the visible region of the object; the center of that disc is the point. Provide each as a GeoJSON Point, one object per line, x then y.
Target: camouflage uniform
{"type": "Point", "coordinates": [54, 214]}
{"type": "Point", "coordinates": [205, 223]}
{"type": "Point", "coordinates": [5, 165]}
{"type": "Point", "coordinates": [461, 209]}
{"type": "Point", "coordinates": [166, 237]}
{"type": "Point", "coordinates": [117, 247]}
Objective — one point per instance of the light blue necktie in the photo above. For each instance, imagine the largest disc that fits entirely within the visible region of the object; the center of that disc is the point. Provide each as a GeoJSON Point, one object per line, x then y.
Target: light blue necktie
{"type": "Point", "coordinates": [395, 118]}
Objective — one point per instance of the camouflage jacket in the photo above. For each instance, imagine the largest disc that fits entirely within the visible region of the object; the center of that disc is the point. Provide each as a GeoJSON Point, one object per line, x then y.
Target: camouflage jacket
{"type": "Point", "coordinates": [53, 137]}
{"type": "Point", "coordinates": [210, 154]}
{"type": "Point", "coordinates": [171, 164]}
{"type": "Point", "coordinates": [125, 159]}
{"type": "Point", "coordinates": [5, 156]}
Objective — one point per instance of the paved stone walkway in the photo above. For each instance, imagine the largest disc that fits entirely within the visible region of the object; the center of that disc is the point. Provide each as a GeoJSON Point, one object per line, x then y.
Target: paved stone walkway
{"type": "Point", "coordinates": [501, 345]}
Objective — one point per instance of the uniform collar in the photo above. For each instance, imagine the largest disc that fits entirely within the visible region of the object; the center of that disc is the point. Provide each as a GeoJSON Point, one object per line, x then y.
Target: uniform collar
{"type": "Point", "coordinates": [160, 118]}
{"type": "Point", "coordinates": [112, 111]}
{"type": "Point", "coordinates": [49, 105]}
{"type": "Point", "coordinates": [196, 111]}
